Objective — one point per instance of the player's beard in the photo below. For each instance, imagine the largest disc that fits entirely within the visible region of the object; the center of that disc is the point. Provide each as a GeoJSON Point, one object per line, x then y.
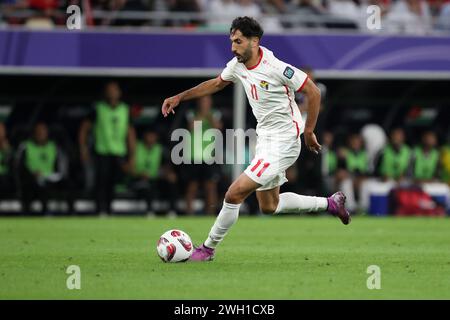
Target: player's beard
{"type": "Point", "coordinates": [245, 56]}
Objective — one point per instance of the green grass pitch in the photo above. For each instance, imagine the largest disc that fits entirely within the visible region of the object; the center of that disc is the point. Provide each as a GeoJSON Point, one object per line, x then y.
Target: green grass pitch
{"type": "Point", "coordinates": [261, 258]}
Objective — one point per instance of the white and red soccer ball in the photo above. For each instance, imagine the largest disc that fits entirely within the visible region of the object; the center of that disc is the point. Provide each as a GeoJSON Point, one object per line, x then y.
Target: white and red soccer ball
{"type": "Point", "coordinates": [174, 246]}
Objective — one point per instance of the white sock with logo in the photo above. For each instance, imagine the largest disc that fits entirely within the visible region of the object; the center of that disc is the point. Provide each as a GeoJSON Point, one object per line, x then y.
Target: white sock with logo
{"type": "Point", "coordinates": [228, 215]}
{"type": "Point", "coordinates": [295, 203]}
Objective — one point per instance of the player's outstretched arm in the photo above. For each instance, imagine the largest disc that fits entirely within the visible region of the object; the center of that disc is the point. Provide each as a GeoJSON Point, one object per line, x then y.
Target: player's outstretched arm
{"type": "Point", "coordinates": [203, 89]}
{"type": "Point", "coordinates": [313, 94]}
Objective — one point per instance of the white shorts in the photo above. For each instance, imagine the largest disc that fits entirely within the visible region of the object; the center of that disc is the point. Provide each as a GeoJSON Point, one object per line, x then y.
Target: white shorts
{"type": "Point", "coordinates": [272, 158]}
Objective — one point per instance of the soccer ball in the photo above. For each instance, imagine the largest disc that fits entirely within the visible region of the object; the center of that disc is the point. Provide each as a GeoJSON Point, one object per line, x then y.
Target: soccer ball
{"type": "Point", "coordinates": [174, 246]}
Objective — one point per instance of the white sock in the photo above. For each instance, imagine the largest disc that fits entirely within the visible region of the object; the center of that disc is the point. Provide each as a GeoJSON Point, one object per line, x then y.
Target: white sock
{"type": "Point", "coordinates": [294, 203]}
{"type": "Point", "coordinates": [226, 218]}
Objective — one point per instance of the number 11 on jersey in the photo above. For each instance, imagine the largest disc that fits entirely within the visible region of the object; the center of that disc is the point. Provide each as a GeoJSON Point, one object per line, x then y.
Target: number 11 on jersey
{"type": "Point", "coordinates": [254, 92]}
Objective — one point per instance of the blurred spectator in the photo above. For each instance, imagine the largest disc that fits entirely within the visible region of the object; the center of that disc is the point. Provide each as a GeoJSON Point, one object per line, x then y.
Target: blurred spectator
{"type": "Point", "coordinates": [249, 8]}
{"type": "Point", "coordinates": [445, 163]}
{"type": "Point", "coordinates": [401, 16]}
{"type": "Point", "coordinates": [425, 162]}
{"type": "Point", "coordinates": [347, 10]}
{"type": "Point", "coordinates": [208, 174]}
{"type": "Point", "coordinates": [435, 7]}
{"type": "Point", "coordinates": [426, 171]}
{"type": "Point", "coordinates": [306, 9]}
{"type": "Point", "coordinates": [113, 133]}
{"type": "Point", "coordinates": [46, 6]}
{"type": "Point", "coordinates": [374, 140]}
{"type": "Point", "coordinates": [395, 158]}
{"type": "Point", "coordinates": [42, 13]}
{"type": "Point", "coordinates": [6, 181]}
{"type": "Point", "coordinates": [185, 6]}
{"type": "Point", "coordinates": [43, 169]}
{"type": "Point", "coordinates": [276, 6]}
{"type": "Point", "coordinates": [123, 6]}
{"type": "Point", "coordinates": [352, 169]}
{"type": "Point", "coordinates": [312, 6]}
{"type": "Point", "coordinates": [221, 13]}
{"type": "Point", "coordinates": [355, 156]}
{"type": "Point", "coordinates": [152, 180]}
{"type": "Point", "coordinates": [443, 20]}
{"type": "Point", "coordinates": [391, 165]}
{"type": "Point", "coordinates": [409, 16]}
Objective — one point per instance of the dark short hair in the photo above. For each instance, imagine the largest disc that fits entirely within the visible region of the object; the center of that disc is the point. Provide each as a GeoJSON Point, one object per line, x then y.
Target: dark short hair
{"type": "Point", "coordinates": [39, 123]}
{"type": "Point", "coordinates": [248, 26]}
{"type": "Point", "coordinates": [110, 82]}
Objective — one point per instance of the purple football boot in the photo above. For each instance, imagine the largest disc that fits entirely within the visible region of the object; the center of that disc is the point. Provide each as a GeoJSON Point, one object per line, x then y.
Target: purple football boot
{"type": "Point", "coordinates": [202, 253]}
{"type": "Point", "coordinates": [336, 206]}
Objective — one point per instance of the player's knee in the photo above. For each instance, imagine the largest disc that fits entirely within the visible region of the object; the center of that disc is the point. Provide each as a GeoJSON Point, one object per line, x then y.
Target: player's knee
{"type": "Point", "coordinates": [232, 197]}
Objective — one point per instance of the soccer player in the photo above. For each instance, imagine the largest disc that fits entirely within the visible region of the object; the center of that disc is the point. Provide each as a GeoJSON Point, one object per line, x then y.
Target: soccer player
{"type": "Point", "coordinates": [270, 85]}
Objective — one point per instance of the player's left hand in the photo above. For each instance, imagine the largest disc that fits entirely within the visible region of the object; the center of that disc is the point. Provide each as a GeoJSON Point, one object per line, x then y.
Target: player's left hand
{"type": "Point", "coordinates": [311, 142]}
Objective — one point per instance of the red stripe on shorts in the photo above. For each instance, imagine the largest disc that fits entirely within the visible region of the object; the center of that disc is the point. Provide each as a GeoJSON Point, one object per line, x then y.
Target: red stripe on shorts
{"type": "Point", "coordinates": [256, 165]}
{"type": "Point", "coordinates": [263, 169]}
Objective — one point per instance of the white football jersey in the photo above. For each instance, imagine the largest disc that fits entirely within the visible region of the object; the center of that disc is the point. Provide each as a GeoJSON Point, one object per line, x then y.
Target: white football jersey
{"type": "Point", "coordinates": [270, 87]}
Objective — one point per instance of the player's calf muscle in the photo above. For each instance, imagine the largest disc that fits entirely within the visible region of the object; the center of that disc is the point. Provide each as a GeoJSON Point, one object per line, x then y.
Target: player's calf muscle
{"type": "Point", "coordinates": [268, 206]}
{"type": "Point", "coordinates": [268, 200]}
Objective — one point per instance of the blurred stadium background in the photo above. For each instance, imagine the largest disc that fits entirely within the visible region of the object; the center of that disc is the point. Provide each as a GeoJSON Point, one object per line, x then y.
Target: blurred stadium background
{"type": "Point", "coordinates": [384, 124]}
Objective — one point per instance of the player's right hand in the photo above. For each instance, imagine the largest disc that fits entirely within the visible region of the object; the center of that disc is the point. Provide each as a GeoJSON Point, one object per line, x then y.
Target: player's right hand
{"type": "Point", "coordinates": [311, 142]}
{"type": "Point", "coordinates": [169, 104]}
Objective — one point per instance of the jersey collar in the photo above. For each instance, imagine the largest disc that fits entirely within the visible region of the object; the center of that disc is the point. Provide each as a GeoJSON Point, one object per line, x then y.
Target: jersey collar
{"type": "Point", "coordinates": [260, 58]}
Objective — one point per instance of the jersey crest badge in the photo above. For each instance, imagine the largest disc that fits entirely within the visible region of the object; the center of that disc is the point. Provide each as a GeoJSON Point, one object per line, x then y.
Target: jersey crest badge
{"type": "Point", "coordinates": [264, 84]}
{"type": "Point", "coordinates": [288, 72]}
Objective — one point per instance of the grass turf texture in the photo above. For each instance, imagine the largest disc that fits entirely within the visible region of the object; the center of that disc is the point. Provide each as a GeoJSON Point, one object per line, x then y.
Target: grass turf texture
{"type": "Point", "coordinates": [261, 258]}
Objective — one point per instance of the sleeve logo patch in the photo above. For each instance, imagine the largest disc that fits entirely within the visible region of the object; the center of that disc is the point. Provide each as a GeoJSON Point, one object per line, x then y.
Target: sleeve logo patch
{"type": "Point", "coordinates": [288, 72]}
